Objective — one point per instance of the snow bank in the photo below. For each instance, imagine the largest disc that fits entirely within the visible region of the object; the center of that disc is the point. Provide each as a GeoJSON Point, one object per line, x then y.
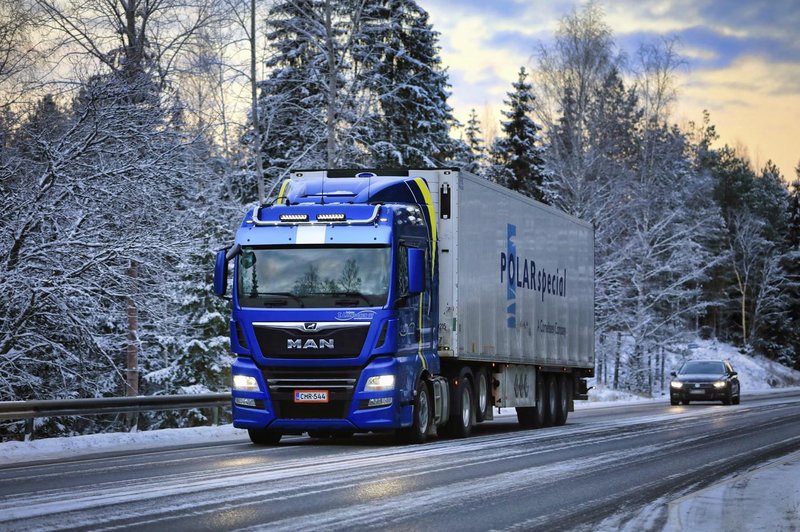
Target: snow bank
{"type": "Point", "coordinates": [765, 499]}
{"type": "Point", "coordinates": [68, 447]}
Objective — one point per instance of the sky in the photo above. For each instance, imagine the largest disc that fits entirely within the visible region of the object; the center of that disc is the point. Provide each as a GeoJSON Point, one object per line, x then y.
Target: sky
{"type": "Point", "coordinates": [742, 60]}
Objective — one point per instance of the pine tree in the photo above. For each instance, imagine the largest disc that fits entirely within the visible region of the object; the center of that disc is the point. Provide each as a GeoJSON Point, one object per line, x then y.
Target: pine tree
{"type": "Point", "coordinates": [519, 151]}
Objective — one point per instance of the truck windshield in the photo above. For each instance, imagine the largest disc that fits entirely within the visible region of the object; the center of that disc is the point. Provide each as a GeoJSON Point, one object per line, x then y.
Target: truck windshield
{"type": "Point", "coordinates": [314, 276]}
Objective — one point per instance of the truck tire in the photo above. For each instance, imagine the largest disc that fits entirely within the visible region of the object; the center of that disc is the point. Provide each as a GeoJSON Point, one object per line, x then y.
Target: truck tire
{"type": "Point", "coordinates": [423, 409]}
{"type": "Point", "coordinates": [562, 410]}
{"type": "Point", "coordinates": [483, 395]}
{"type": "Point", "coordinates": [550, 400]}
{"type": "Point", "coordinates": [532, 417]}
{"type": "Point", "coordinates": [462, 406]}
{"type": "Point", "coordinates": [264, 436]}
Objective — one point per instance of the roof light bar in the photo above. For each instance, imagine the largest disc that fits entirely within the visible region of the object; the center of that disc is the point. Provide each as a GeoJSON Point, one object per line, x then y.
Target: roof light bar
{"type": "Point", "coordinates": [294, 217]}
{"type": "Point", "coordinates": [331, 217]}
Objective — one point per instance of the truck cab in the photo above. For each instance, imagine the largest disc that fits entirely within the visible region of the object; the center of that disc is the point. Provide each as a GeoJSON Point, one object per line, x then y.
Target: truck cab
{"type": "Point", "coordinates": [334, 308]}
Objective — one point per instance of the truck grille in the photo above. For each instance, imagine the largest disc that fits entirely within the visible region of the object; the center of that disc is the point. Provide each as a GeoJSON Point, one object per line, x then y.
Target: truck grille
{"type": "Point", "coordinates": [311, 340]}
{"type": "Point", "coordinates": [340, 384]}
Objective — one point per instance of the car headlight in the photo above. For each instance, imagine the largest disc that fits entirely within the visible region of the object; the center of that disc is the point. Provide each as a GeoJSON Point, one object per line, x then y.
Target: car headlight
{"type": "Point", "coordinates": [245, 383]}
{"type": "Point", "coordinates": [379, 383]}
{"type": "Point", "coordinates": [676, 384]}
{"type": "Point", "coordinates": [720, 384]}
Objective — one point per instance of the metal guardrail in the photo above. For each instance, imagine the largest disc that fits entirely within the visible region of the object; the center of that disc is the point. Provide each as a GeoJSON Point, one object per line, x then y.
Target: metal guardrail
{"type": "Point", "coordinates": [29, 410]}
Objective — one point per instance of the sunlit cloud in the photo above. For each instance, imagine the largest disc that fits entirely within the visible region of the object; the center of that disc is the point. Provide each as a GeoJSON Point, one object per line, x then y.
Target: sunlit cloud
{"type": "Point", "coordinates": [742, 58]}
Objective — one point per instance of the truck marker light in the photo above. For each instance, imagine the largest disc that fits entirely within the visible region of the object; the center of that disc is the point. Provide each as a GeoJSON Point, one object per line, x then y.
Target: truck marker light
{"type": "Point", "coordinates": [294, 217]}
{"type": "Point", "coordinates": [244, 401]}
{"type": "Point", "coordinates": [331, 217]}
{"type": "Point", "coordinates": [245, 383]}
{"type": "Point", "coordinates": [380, 401]}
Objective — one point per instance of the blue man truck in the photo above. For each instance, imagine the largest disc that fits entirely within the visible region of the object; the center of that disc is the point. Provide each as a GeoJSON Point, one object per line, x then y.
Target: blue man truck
{"type": "Point", "coordinates": [412, 301]}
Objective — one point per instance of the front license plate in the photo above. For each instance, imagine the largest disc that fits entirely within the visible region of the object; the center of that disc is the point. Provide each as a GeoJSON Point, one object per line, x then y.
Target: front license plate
{"type": "Point", "coordinates": [697, 392]}
{"type": "Point", "coordinates": [311, 396]}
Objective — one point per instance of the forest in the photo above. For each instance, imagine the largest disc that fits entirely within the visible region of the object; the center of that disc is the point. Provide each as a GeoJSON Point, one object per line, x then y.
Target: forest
{"type": "Point", "coordinates": [134, 134]}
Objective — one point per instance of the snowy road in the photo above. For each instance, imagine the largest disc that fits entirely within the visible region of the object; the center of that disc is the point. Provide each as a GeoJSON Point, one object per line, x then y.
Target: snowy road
{"type": "Point", "coordinates": [601, 470]}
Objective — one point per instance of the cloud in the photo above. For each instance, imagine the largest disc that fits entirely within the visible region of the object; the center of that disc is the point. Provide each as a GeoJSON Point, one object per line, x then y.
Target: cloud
{"type": "Point", "coordinates": [742, 57]}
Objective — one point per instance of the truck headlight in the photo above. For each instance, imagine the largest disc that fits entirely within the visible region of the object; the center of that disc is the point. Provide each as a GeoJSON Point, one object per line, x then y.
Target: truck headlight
{"type": "Point", "coordinates": [379, 383]}
{"type": "Point", "coordinates": [676, 384]}
{"type": "Point", "coordinates": [720, 384]}
{"type": "Point", "coordinates": [245, 383]}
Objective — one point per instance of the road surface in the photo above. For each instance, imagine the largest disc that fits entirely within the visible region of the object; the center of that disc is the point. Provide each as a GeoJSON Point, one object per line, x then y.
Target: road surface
{"type": "Point", "coordinates": [609, 464]}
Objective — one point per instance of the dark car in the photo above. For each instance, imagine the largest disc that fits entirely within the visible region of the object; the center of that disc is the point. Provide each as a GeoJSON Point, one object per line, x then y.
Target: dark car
{"type": "Point", "coordinates": [705, 380]}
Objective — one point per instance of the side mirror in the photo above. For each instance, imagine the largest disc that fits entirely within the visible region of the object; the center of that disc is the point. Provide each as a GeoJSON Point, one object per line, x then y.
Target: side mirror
{"type": "Point", "coordinates": [221, 273]}
{"type": "Point", "coordinates": [734, 373]}
{"type": "Point", "coordinates": [416, 271]}
{"type": "Point", "coordinates": [673, 374]}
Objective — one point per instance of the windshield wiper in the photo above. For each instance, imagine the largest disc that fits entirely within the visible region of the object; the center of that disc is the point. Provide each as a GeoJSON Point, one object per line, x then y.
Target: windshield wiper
{"type": "Point", "coordinates": [283, 294]}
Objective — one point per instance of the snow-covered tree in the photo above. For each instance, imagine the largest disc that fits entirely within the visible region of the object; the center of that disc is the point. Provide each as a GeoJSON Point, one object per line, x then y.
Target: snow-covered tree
{"type": "Point", "coordinates": [518, 152]}
{"type": "Point", "coordinates": [397, 54]}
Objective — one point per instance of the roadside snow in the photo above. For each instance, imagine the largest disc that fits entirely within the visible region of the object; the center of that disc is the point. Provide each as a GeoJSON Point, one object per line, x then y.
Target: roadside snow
{"type": "Point", "coordinates": [756, 373]}
{"type": "Point", "coordinates": [69, 447]}
{"type": "Point", "coordinates": [765, 499]}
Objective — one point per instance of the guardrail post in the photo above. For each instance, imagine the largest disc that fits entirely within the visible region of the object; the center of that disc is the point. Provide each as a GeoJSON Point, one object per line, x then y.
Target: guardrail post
{"type": "Point", "coordinates": [29, 429]}
{"type": "Point", "coordinates": [215, 415]}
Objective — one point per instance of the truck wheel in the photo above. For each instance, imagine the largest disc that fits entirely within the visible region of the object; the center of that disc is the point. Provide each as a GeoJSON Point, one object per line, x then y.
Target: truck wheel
{"type": "Point", "coordinates": [482, 395]}
{"type": "Point", "coordinates": [550, 400]}
{"type": "Point", "coordinates": [418, 431]}
{"type": "Point", "coordinates": [264, 436]}
{"type": "Point", "coordinates": [462, 406]}
{"type": "Point", "coordinates": [562, 410]}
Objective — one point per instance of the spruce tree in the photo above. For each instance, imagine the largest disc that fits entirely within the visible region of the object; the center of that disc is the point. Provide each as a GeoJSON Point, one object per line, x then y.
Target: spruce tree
{"type": "Point", "coordinates": [397, 54]}
{"type": "Point", "coordinates": [475, 145]}
{"type": "Point", "coordinates": [292, 99]}
{"type": "Point", "coordinates": [519, 151]}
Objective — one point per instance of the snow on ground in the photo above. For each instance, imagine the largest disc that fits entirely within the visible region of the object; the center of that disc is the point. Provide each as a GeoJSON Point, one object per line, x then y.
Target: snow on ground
{"type": "Point", "coordinates": [756, 373]}
{"type": "Point", "coordinates": [69, 447]}
{"type": "Point", "coordinates": [765, 499]}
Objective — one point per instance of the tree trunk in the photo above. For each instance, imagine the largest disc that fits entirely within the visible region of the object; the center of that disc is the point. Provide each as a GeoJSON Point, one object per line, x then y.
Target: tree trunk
{"type": "Point", "coordinates": [254, 100]}
{"type": "Point", "coordinates": [132, 348]}
{"type": "Point", "coordinates": [616, 362]}
{"type": "Point", "coordinates": [332, 71]}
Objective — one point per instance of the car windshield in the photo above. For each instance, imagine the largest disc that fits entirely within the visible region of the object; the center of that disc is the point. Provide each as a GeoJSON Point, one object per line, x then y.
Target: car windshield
{"type": "Point", "coordinates": [702, 368]}
{"type": "Point", "coordinates": [314, 276]}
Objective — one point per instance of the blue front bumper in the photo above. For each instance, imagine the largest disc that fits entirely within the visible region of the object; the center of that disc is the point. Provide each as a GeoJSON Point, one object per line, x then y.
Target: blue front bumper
{"type": "Point", "coordinates": [282, 414]}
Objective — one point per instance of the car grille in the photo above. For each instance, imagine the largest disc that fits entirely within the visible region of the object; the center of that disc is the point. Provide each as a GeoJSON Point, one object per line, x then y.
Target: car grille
{"type": "Point", "coordinates": [311, 340]}
{"type": "Point", "coordinates": [340, 384]}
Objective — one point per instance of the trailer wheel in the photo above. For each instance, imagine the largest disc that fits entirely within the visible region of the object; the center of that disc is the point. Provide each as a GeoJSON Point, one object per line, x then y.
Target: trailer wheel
{"type": "Point", "coordinates": [418, 431]}
{"type": "Point", "coordinates": [462, 406]}
{"type": "Point", "coordinates": [532, 417]}
{"type": "Point", "coordinates": [564, 390]}
{"type": "Point", "coordinates": [264, 436]}
{"type": "Point", "coordinates": [482, 395]}
{"type": "Point", "coordinates": [551, 400]}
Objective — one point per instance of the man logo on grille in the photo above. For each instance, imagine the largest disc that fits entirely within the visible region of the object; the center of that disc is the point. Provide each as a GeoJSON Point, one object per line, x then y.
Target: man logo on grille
{"type": "Point", "coordinates": [310, 326]}
{"type": "Point", "coordinates": [309, 344]}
